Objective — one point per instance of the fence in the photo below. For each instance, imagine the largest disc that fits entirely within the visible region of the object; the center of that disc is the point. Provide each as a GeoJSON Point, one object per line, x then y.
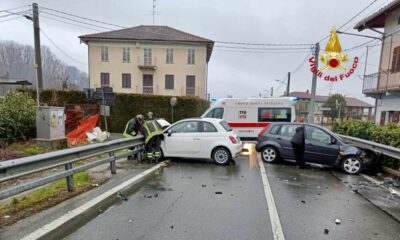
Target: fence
{"type": "Point", "coordinates": [376, 147]}
{"type": "Point", "coordinates": [13, 169]}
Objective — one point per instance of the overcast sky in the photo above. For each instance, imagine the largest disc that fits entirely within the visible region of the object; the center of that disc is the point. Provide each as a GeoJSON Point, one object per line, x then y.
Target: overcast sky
{"type": "Point", "coordinates": [241, 73]}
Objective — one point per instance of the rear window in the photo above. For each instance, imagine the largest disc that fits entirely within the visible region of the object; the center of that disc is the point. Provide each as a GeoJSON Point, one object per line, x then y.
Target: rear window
{"type": "Point", "coordinates": [226, 126]}
{"type": "Point", "coordinates": [288, 130]}
{"type": "Point", "coordinates": [274, 115]}
{"type": "Point", "coordinates": [275, 129]}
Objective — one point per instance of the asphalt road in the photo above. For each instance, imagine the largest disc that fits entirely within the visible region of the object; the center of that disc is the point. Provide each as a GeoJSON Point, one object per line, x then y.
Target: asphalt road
{"type": "Point", "coordinates": [199, 200]}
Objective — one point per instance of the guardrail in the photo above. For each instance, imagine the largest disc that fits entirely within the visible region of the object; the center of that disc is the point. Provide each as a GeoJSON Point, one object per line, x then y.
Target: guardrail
{"type": "Point", "coordinates": [21, 167]}
{"type": "Point", "coordinates": [376, 147]}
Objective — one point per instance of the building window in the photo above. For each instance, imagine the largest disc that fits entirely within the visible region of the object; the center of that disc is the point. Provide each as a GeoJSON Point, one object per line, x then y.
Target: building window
{"type": "Point", "coordinates": [190, 85]}
{"type": "Point", "coordinates": [170, 55]}
{"type": "Point", "coordinates": [126, 80]}
{"type": "Point", "coordinates": [169, 81]}
{"type": "Point", "coordinates": [147, 83]}
{"type": "Point", "coordinates": [191, 56]}
{"type": "Point", "coordinates": [147, 57]}
{"type": "Point", "coordinates": [104, 54]}
{"type": "Point", "coordinates": [126, 54]}
{"type": "Point", "coordinates": [396, 60]}
{"type": "Point", "coordinates": [105, 79]}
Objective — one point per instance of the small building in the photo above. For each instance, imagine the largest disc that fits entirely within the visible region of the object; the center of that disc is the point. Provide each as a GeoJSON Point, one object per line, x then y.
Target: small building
{"type": "Point", "coordinates": [355, 108]}
{"type": "Point", "coordinates": [149, 60]}
{"type": "Point", "coordinates": [384, 85]}
{"type": "Point", "coordinates": [11, 85]}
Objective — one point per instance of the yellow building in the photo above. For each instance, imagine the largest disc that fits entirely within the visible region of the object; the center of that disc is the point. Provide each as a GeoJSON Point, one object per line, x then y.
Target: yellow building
{"type": "Point", "coordinates": [149, 59]}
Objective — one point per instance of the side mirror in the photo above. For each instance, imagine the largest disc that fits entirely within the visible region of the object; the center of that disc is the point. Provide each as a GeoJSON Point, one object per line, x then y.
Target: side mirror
{"type": "Point", "coordinates": [333, 140]}
{"type": "Point", "coordinates": [169, 132]}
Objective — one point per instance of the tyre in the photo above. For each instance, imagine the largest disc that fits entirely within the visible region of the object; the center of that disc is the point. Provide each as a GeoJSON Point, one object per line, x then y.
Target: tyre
{"type": "Point", "coordinates": [351, 165]}
{"type": "Point", "coordinates": [269, 154]}
{"type": "Point", "coordinates": [221, 156]}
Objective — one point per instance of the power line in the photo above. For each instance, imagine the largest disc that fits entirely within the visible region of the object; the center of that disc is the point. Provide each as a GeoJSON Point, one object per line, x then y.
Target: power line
{"type": "Point", "coordinates": [264, 44]}
{"type": "Point", "coordinates": [251, 48]}
{"type": "Point", "coordinates": [11, 19]}
{"type": "Point", "coordinates": [11, 9]}
{"type": "Point", "coordinates": [15, 13]}
{"type": "Point", "coordinates": [73, 20]}
{"type": "Point", "coordinates": [88, 19]}
{"type": "Point", "coordinates": [252, 52]}
{"type": "Point", "coordinates": [55, 45]}
{"type": "Point", "coordinates": [74, 24]}
{"type": "Point", "coordinates": [301, 64]}
{"type": "Point", "coordinates": [351, 19]}
{"type": "Point", "coordinates": [359, 46]}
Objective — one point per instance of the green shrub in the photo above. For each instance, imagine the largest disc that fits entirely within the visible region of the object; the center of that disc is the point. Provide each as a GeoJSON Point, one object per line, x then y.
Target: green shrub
{"type": "Point", "coordinates": [355, 128]}
{"type": "Point", "coordinates": [17, 116]}
{"type": "Point", "coordinates": [388, 135]}
{"type": "Point", "coordinates": [129, 105]}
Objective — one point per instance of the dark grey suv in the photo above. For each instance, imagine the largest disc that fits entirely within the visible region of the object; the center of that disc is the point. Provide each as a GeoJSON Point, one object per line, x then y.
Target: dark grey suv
{"type": "Point", "coordinates": [322, 147]}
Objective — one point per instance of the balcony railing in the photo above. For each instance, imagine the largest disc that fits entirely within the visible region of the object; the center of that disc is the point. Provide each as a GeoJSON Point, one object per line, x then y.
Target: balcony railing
{"type": "Point", "coordinates": [370, 83]}
{"type": "Point", "coordinates": [147, 62]}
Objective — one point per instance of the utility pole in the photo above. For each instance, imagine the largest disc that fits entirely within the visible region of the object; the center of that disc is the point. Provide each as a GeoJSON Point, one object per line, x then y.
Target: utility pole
{"type": "Point", "coordinates": [313, 86]}
{"type": "Point", "coordinates": [288, 84]}
{"type": "Point", "coordinates": [154, 8]}
{"type": "Point", "coordinates": [272, 91]}
{"type": "Point", "coordinates": [38, 56]}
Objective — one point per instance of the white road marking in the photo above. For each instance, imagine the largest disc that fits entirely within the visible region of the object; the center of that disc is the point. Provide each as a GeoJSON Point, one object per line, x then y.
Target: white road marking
{"type": "Point", "coordinates": [273, 212]}
{"type": "Point", "coordinates": [40, 232]}
{"type": "Point", "coordinates": [391, 190]}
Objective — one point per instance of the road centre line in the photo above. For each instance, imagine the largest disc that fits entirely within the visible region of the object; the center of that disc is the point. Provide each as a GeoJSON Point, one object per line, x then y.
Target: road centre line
{"type": "Point", "coordinates": [273, 212]}
{"type": "Point", "coordinates": [40, 232]}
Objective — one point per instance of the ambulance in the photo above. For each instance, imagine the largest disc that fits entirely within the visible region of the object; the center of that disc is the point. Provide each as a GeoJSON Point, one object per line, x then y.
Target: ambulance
{"type": "Point", "coordinates": [249, 116]}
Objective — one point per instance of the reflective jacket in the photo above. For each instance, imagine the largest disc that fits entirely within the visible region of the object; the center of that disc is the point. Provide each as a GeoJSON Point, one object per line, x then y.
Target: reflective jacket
{"type": "Point", "coordinates": [150, 129]}
{"type": "Point", "coordinates": [131, 126]}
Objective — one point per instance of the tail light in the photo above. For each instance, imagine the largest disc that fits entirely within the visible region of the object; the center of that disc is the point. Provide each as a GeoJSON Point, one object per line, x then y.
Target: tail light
{"type": "Point", "coordinates": [233, 139]}
{"type": "Point", "coordinates": [262, 131]}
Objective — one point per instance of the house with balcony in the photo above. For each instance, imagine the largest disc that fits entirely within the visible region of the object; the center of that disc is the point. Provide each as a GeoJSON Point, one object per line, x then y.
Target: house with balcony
{"type": "Point", "coordinates": [354, 109]}
{"type": "Point", "coordinates": [384, 85]}
{"type": "Point", "coordinates": [149, 60]}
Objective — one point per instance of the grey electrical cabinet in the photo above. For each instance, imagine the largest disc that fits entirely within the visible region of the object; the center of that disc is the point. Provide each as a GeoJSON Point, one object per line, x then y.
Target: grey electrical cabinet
{"type": "Point", "coordinates": [50, 123]}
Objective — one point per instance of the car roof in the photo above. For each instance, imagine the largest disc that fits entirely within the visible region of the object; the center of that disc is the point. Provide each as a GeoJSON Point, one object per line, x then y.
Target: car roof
{"type": "Point", "coordinates": [213, 120]}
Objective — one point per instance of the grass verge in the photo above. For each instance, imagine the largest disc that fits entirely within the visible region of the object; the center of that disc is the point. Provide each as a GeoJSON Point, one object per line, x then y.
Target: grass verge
{"type": "Point", "coordinates": [43, 198]}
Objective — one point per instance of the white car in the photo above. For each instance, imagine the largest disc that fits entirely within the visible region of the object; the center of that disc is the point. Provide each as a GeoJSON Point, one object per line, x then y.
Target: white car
{"type": "Point", "coordinates": [201, 138]}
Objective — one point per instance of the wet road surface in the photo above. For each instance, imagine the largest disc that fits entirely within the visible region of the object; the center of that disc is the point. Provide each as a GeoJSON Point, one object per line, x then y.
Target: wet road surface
{"type": "Point", "coordinates": [199, 200]}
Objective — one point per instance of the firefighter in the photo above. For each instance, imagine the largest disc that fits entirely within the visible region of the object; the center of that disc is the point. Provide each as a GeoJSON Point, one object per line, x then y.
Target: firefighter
{"type": "Point", "coordinates": [133, 126]}
{"type": "Point", "coordinates": [152, 132]}
{"type": "Point", "coordinates": [132, 129]}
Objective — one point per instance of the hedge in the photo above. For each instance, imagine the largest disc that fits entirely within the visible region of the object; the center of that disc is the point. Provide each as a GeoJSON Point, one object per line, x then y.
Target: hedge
{"type": "Point", "coordinates": [388, 135]}
{"type": "Point", "coordinates": [129, 105]}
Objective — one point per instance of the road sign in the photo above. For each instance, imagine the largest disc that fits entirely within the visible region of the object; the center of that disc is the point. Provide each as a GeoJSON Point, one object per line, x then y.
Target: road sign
{"type": "Point", "coordinates": [173, 101]}
{"type": "Point", "coordinates": [105, 110]}
{"type": "Point", "coordinates": [325, 109]}
{"type": "Point", "coordinates": [108, 102]}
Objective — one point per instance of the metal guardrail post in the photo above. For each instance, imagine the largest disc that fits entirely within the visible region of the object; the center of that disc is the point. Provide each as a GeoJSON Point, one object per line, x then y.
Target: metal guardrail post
{"type": "Point", "coordinates": [70, 178]}
{"type": "Point", "coordinates": [113, 166]}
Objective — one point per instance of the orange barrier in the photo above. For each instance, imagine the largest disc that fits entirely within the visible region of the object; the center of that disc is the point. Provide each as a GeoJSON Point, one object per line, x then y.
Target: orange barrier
{"type": "Point", "coordinates": [78, 136]}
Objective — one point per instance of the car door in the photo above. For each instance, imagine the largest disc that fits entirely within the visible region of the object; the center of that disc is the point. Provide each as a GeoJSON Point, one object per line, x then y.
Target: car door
{"type": "Point", "coordinates": [284, 137]}
{"type": "Point", "coordinates": [319, 146]}
{"type": "Point", "coordinates": [209, 136]}
{"type": "Point", "coordinates": [182, 140]}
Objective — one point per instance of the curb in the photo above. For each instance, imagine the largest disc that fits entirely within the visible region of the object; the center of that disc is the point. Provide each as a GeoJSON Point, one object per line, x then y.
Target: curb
{"type": "Point", "coordinates": [62, 226]}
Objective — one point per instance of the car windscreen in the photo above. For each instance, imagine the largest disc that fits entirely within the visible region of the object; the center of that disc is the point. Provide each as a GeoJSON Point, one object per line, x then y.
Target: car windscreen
{"type": "Point", "coordinates": [226, 126]}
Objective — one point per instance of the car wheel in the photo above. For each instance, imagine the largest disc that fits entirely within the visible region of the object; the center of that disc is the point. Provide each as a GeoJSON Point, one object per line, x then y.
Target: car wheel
{"type": "Point", "coordinates": [269, 154]}
{"type": "Point", "coordinates": [352, 165]}
{"type": "Point", "coordinates": [221, 156]}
